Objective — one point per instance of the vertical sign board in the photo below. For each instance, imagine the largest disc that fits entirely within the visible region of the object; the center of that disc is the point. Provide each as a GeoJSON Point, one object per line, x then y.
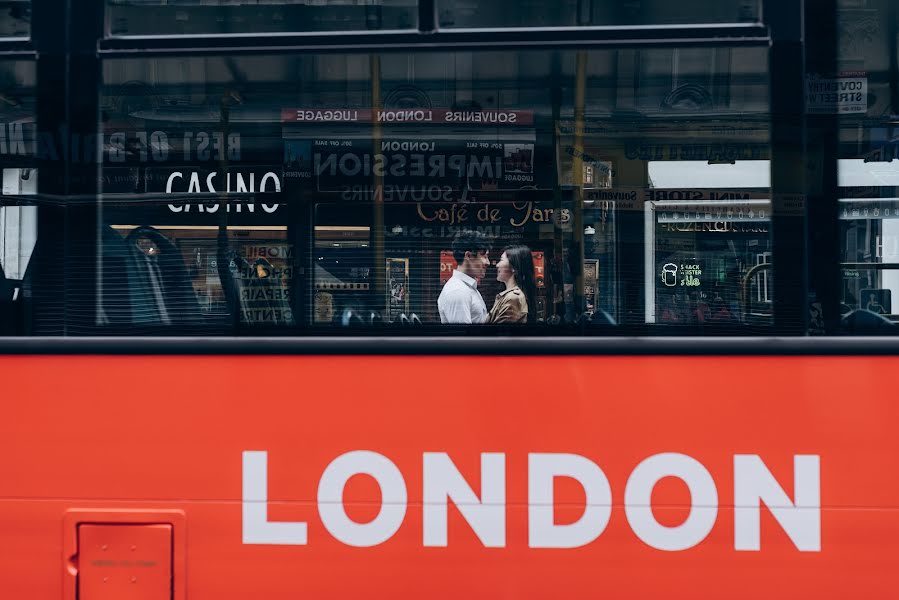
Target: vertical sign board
{"type": "Point", "coordinates": [447, 266]}
{"type": "Point", "coordinates": [847, 93]}
{"type": "Point", "coordinates": [591, 280]}
{"type": "Point", "coordinates": [397, 288]}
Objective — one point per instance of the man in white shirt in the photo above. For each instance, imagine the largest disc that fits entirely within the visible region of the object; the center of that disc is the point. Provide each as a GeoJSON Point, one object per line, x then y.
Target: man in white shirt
{"type": "Point", "coordinates": [460, 302]}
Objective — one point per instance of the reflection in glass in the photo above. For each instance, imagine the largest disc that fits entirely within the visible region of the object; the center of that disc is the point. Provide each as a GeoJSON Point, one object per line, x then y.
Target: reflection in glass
{"type": "Point", "coordinates": [172, 17]}
{"type": "Point", "coordinates": [323, 192]}
{"type": "Point", "coordinates": [15, 18]}
{"type": "Point", "coordinates": [534, 13]}
{"type": "Point", "coordinates": [18, 209]}
{"type": "Point", "coordinates": [865, 96]}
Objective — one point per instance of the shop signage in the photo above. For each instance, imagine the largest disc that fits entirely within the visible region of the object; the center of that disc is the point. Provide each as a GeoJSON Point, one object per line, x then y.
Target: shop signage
{"type": "Point", "coordinates": [444, 232]}
{"type": "Point", "coordinates": [680, 195]}
{"type": "Point", "coordinates": [713, 212]}
{"type": "Point", "coordinates": [845, 94]}
{"type": "Point", "coordinates": [160, 146]}
{"type": "Point", "coordinates": [620, 198]}
{"type": "Point", "coordinates": [516, 214]}
{"type": "Point", "coordinates": [13, 139]}
{"type": "Point", "coordinates": [20, 138]}
{"type": "Point", "coordinates": [209, 187]}
{"type": "Point", "coordinates": [412, 169]}
{"type": "Point", "coordinates": [682, 274]}
{"type": "Point", "coordinates": [869, 208]}
{"type": "Point", "coordinates": [712, 227]}
{"type": "Point", "coordinates": [216, 183]}
{"type": "Point", "coordinates": [408, 115]}
{"type": "Point", "coordinates": [631, 198]}
{"type": "Point", "coordinates": [265, 292]}
{"type": "Point", "coordinates": [713, 152]}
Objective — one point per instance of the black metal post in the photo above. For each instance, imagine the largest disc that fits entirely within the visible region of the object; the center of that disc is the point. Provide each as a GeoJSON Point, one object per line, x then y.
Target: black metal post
{"type": "Point", "coordinates": [787, 93]}
{"type": "Point", "coordinates": [822, 46]}
{"type": "Point", "coordinates": [64, 285]}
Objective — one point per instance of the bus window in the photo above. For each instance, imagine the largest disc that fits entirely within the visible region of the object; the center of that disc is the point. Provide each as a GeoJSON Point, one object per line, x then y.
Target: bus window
{"type": "Point", "coordinates": [18, 188]}
{"type": "Point", "coordinates": [862, 99]}
{"type": "Point", "coordinates": [249, 203]}
{"type": "Point", "coordinates": [321, 194]}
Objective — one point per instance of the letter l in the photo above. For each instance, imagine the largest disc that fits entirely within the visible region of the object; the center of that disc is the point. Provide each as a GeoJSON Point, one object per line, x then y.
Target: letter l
{"type": "Point", "coordinates": [257, 529]}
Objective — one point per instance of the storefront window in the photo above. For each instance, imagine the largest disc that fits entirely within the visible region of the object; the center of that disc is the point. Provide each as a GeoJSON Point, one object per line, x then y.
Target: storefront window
{"type": "Point", "coordinates": [533, 13]}
{"type": "Point", "coordinates": [155, 17]}
{"type": "Point", "coordinates": [325, 191]}
{"type": "Point", "coordinates": [15, 19]}
{"type": "Point", "coordinates": [865, 96]}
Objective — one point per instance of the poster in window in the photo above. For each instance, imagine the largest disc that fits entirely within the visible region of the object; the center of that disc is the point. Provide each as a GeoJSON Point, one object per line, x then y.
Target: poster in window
{"type": "Point", "coordinates": [539, 270]}
{"type": "Point", "coordinates": [397, 287]}
{"type": "Point", "coordinates": [877, 301]}
{"type": "Point", "coordinates": [323, 311]}
{"type": "Point", "coordinates": [591, 279]}
{"type": "Point", "coordinates": [541, 308]}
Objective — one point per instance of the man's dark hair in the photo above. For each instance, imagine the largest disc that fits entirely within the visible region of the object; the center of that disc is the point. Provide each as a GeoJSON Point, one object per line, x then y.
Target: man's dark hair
{"type": "Point", "coordinates": [469, 241]}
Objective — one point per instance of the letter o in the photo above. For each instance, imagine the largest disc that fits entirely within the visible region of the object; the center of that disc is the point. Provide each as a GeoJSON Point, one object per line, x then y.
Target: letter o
{"type": "Point", "coordinates": [265, 178]}
{"type": "Point", "coordinates": [393, 498]}
{"type": "Point", "coordinates": [350, 164]}
{"type": "Point", "coordinates": [703, 500]}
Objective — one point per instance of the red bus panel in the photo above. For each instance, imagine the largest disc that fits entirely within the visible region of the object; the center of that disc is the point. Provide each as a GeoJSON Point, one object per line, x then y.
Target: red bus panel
{"type": "Point", "coordinates": [464, 476]}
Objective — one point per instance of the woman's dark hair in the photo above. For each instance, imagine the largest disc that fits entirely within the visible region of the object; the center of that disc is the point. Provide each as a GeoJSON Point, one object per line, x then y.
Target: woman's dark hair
{"type": "Point", "coordinates": [522, 262]}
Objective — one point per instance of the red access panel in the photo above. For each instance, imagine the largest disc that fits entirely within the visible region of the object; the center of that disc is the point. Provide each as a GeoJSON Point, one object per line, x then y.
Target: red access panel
{"type": "Point", "coordinates": [124, 562]}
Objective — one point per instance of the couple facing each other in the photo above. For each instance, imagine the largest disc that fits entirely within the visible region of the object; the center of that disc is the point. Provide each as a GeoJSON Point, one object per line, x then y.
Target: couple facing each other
{"type": "Point", "coordinates": [460, 302]}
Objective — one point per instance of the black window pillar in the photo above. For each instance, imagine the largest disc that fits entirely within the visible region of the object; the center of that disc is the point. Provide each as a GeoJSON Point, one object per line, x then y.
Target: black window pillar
{"type": "Point", "coordinates": [63, 288]}
{"type": "Point", "coordinates": [822, 46]}
{"type": "Point", "coordinates": [787, 92]}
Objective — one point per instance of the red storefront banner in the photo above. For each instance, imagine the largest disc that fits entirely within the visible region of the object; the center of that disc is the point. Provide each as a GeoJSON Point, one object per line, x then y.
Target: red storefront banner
{"type": "Point", "coordinates": [693, 478]}
{"type": "Point", "coordinates": [539, 269]}
{"type": "Point", "coordinates": [448, 264]}
{"type": "Point", "coordinates": [408, 115]}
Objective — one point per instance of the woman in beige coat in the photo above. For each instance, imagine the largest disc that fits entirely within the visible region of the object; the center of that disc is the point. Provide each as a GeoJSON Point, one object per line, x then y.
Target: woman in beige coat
{"type": "Point", "coordinates": [516, 270]}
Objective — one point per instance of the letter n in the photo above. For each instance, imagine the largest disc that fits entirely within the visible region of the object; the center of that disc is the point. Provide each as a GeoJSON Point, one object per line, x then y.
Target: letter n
{"type": "Point", "coordinates": [754, 484]}
{"type": "Point", "coordinates": [257, 529]}
{"type": "Point", "coordinates": [443, 482]}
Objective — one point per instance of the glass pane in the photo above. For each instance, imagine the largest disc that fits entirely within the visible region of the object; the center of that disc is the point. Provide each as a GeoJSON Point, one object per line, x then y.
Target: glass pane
{"type": "Point", "coordinates": [18, 204]}
{"type": "Point", "coordinates": [534, 13]}
{"type": "Point", "coordinates": [149, 17]}
{"type": "Point", "coordinates": [865, 96]}
{"type": "Point", "coordinates": [326, 193]}
{"type": "Point", "coordinates": [15, 18]}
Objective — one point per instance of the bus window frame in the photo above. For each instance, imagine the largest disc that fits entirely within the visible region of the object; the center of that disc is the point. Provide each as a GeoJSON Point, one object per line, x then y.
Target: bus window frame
{"type": "Point", "coordinates": [781, 32]}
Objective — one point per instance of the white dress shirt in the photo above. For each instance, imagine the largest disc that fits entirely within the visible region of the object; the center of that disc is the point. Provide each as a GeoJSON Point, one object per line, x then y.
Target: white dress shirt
{"type": "Point", "coordinates": [461, 302]}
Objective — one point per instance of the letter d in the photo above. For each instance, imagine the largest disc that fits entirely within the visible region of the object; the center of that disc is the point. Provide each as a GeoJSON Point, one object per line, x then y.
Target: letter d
{"type": "Point", "coordinates": [542, 532]}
